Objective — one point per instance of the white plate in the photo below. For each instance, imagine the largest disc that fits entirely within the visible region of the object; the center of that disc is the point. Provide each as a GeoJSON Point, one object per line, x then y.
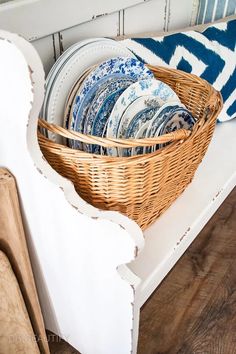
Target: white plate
{"type": "Point", "coordinates": [86, 56]}
{"type": "Point", "coordinates": [58, 66]}
{"type": "Point", "coordinates": [60, 63]}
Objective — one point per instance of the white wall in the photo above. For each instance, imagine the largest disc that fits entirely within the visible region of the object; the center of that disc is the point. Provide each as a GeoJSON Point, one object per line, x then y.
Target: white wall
{"type": "Point", "coordinates": [38, 19]}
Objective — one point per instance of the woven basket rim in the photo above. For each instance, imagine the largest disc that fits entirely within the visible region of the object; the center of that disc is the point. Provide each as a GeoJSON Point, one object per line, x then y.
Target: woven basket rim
{"type": "Point", "coordinates": [168, 150]}
{"type": "Point", "coordinates": [176, 139]}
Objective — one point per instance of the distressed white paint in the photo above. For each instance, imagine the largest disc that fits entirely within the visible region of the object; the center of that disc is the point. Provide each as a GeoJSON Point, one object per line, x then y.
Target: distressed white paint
{"type": "Point", "coordinates": [78, 252]}
{"type": "Point", "coordinates": [75, 255]}
{"type": "Point", "coordinates": [38, 18]}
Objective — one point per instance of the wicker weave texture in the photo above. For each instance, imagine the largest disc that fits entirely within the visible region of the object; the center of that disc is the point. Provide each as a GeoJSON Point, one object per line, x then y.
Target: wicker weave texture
{"type": "Point", "coordinates": [142, 186]}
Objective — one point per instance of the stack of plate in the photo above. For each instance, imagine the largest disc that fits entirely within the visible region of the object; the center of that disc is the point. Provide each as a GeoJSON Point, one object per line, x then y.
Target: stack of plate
{"type": "Point", "coordinates": [99, 88]}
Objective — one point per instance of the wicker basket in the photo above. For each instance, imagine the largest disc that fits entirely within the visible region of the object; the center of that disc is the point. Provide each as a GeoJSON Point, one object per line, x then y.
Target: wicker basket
{"type": "Point", "coordinates": [141, 186]}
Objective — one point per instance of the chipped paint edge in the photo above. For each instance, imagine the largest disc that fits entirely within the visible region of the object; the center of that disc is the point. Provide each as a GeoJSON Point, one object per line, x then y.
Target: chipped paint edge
{"type": "Point", "coordinates": [36, 74]}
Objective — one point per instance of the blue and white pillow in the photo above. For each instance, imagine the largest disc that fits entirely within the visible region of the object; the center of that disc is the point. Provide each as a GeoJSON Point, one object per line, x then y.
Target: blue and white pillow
{"type": "Point", "coordinates": [210, 55]}
{"type": "Point", "coordinates": [212, 10]}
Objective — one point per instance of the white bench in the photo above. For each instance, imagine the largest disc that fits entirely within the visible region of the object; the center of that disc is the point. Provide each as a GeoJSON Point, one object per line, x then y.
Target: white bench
{"type": "Point", "coordinates": [89, 291]}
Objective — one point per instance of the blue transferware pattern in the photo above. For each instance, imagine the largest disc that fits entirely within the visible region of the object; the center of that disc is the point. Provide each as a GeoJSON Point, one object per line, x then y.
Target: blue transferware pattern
{"type": "Point", "coordinates": [136, 123]}
{"type": "Point", "coordinates": [142, 133]}
{"type": "Point", "coordinates": [149, 87]}
{"type": "Point", "coordinates": [159, 118]}
{"type": "Point", "coordinates": [177, 119]}
{"type": "Point", "coordinates": [130, 120]}
{"type": "Point", "coordinates": [78, 123]}
{"type": "Point", "coordinates": [130, 67]}
{"type": "Point", "coordinates": [180, 118]}
{"type": "Point", "coordinates": [102, 118]}
{"type": "Point", "coordinates": [139, 119]}
{"type": "Point", "coordinates": [70, 102]}
{"type": "Point", "coordinates": [138, 105]}
{"type": "Point", "coordinates": [112, 85]}
{"type": "Point", "coordinates": [104, 112]}
{"type": "Point", "coordinates": [157, 133]}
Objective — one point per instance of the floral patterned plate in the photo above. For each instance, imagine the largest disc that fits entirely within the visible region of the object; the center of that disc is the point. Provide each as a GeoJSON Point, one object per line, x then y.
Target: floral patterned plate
{"type": "Point", "coordinates": [180, 118]}
{"type": "Point", "coordinates": [102, 118]}
{"type": "Point", "coordinates": [90, 54]}
{"type": "Point", "coordinates": [114, 83]}
{"type": "Point", "coordinates": [141, 134]}
{"type": "Point", "coordinates": [130, 67]}
{"type": "Point", "coordinates": [102, 91]}
{"type": "Point", "coordinates": [69, 106]}
{"type": "Point", "coordinates": [118, 124]}
{"type": "Point", "coordinates": [159, 118]}
{"type": "Point", "coordinates": [138, 112]}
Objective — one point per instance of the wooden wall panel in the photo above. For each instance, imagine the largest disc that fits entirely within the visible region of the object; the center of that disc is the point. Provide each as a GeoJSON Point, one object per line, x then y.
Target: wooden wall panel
{"type": "Point", "coordinates": [180, 14]}
{"type": "Point", "coordinates": [146, 17]}
{"type": "Point", "coordinates": [104, 26]}
{"type": "Point", "coordinates": [47, 49]}
{"type": "Point", "coordinates": [39, 18]}
{"type": "Point", "coordinates": [158, 15]}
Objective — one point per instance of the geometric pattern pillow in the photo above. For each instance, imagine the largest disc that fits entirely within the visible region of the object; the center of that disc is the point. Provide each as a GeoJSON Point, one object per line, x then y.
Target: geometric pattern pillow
{"type": "Point", "coordinates": [210, 55]}
{"type": "Point", "coordinates": [212, 10]}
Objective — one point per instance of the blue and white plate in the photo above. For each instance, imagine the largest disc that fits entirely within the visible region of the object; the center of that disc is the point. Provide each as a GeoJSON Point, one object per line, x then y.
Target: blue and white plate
{"type": "Point", "coordinates": [159, 118]}
{"type": "Point", "coordinates": [180, 118]}
{"type": "Point", "coordinates": [118, 124]}
{"type": "Point", "coordinates": [83, 122]}
{"type": "Point", "coordinates": [83, 57]}
{"type": "Point", "coordinates": [68, 114]}
{"type": "Point", "coordinates": [113, 84]}
{"type": "Point", "coordinates": [133, 110]}
{"type": "Point", "coordinates": [130, 67]}
{"type": "Point", "coordinates": [141, 134]}
{"type": "Point", "coordinates": [102, 118]}
{"type": "Point", "coordinates": [138, 113]}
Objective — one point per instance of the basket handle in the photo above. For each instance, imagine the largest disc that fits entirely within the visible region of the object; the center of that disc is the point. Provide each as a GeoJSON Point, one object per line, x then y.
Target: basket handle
{"type": "Point", "coordinates": [214, 103]}
{"type": "Point", "coordinates": [177, 135]}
